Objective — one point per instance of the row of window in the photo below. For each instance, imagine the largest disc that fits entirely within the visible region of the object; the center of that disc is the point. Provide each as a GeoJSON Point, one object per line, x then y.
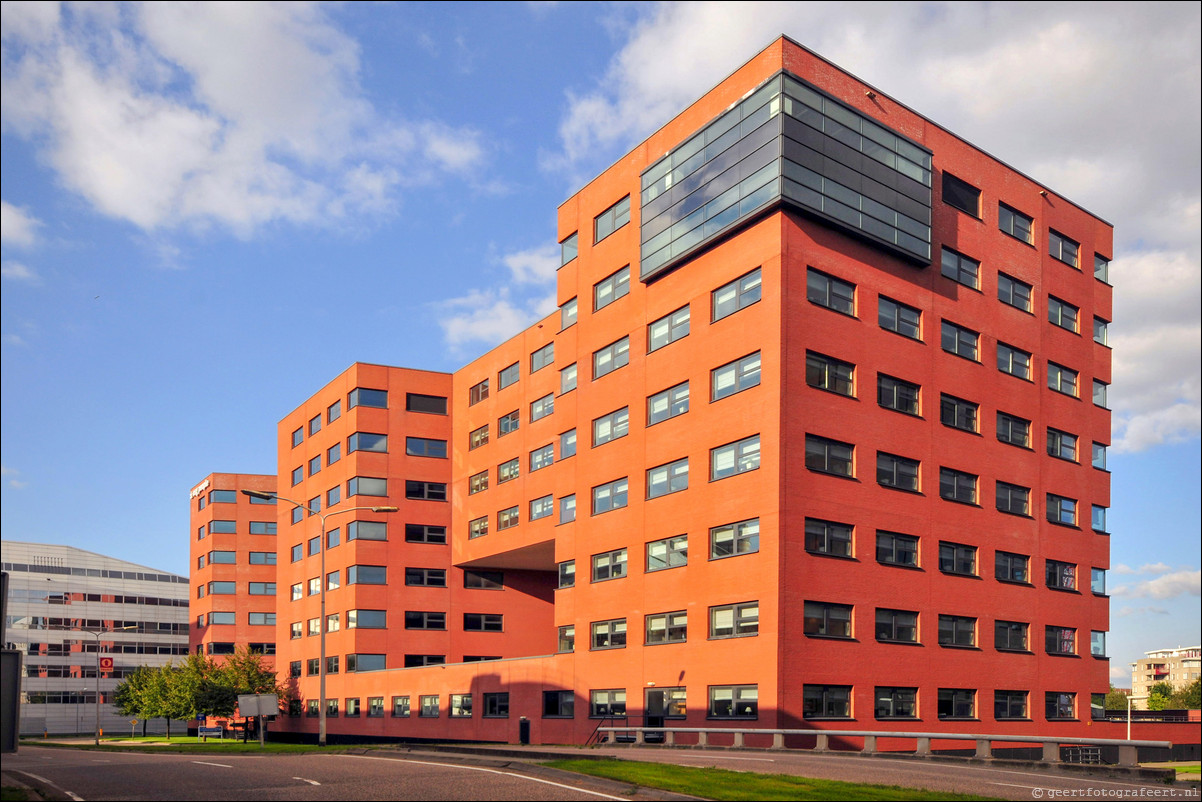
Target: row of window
{"type": "Point", "coordinates": [374, 399]}
{"type": "Point", "coordinates": [231, 528]}
{"type": "Point", "coordinates": [837, 458]}
{"type": "Point", "coordinates": [225, 497]}
{"type": "Point", "coordinates": [962, 195]}
{"type": "Point", "coordinates": [230, 589]}
{"type": "Point", "coordinates": [371, 442]}
{"type": "Point", "coordinates": [230, 557]}
{"type": "Point", "coordinates": [835, 702]}
{"type": "Point", "coordinates": [416, 490]}
{"type": "Point", "coordinates": [378, 619]}
{"type": "Point", "coordinates": [218, 618]}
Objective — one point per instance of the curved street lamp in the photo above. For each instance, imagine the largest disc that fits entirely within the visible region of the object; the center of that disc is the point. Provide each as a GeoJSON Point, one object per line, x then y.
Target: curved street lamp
{"type": "Point", "coordinates": [321, 668]}
{"type": "Point", "coordinates": [96, 632]}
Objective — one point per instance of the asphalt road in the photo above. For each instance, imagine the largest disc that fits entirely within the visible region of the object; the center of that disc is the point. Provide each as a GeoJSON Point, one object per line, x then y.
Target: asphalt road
{"type": "Point", "coordinates": [84, 775]}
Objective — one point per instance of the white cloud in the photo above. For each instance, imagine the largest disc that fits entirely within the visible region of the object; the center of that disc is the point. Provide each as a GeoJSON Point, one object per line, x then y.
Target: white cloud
{"type": "Point", "coordinates": [491, 316]}
{"type": "Point", "coordinates": [1088, 100]}
{"type": "Point", "coordinates": [1166, 586]}
{"type": "Point", "coordinates": [535, 265]}
{"type": "Point", "coordinates": [10, 478]}
{"type": "Point", "coordinates": [1127, 612]}
{"type": "Point", "coordinates": [17, 226]}
{"type": "Point", "coordinates": [130, 107]}
{"type": "Point", "coordinates": [15, 271]}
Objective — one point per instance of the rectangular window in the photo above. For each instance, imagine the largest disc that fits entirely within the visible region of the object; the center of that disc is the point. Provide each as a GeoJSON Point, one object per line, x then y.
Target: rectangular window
{"type": "Point", "coordinates": [566, 639]}
{"type": "Point", "coordinates": [400, 707]}
{"type": "Point", "coordinates": [735, 377]}
{"type": "Point", "coordinates": [827, 620]}
{"type": "Point", "coordinates": [1099, 393]}
{"type": "Point", "coordinates": [733, 701]}
{"type": "Point", "coordinates": [735, 458]}
{"type": "Point", "coordinates": [1010, 636]}
{"type": "Point", "coordinates": [667, 628]}
{"type": "Point", "coordinates": [315, 425]}
{"type": "Point", "coordinates": [375, 707]}
{"type": "Point", "coordinates": [611, 288]}
{"type": "Point", "coordinates": [899, 473]}
{"type": "Point", "coordinates": [298, 476]}
{"type": "Point", "coordinates": [567, 509]}
{"type": "Point", "coordinates": [1013, 430]}
{"type": "Point", "coordinates": [296, 591]}
{"type": "Point", "coordinates": [1097, 581]}
{"type": "Point", "coordinates": [1062, 248]}
{"type": "Point", "coordinates": [611, 219]}
{"type": "Point", "coordinates": [828, 537]}
{"type": "Point", "coordinates": [366, 619]}
{"type": "Point", "coordinates": [899, 318]}
{"type": "Point", "coordinates": [478, 437]}
{"type": "Point", "coordinates": [365, 397]}
{"type": "Point", "coordinates": [829, 456]}
{"type": "Point", "coordinates": [496, 705]}
{"type": "Point", "coordinates": [1062, 314]}
{"type": "Point", "coordinates": [672, 552]}
{"type": "Point", "coordinates": [665, 479]}
{"type": "Point", "coordinates": [896, 702]}
{"type": "Point", "coordinates": [960, 341]}
{"type": "Point", "coordinates": [558, 704]}
{"type": "Point", "coordinates": [826, 701]}
{"type": "Point", "coordinates": [611, 357]}
{"type": "Point", "coordinates": [419, 533]}
{"type": "Point", "coordinates": [430, 404]}
{"type": "Point", "coordinates": [1014, 292]}
{"type": "Point", "coordinates": [957, 703]}
{"type": "Point", "coordinates": [611, 427]}
{"type": "Point", "coordinates": [366, 486]}
{"type": "Point", "coordinates": [896, 626]}
{"type": "Point", "coordinates": [738, 294]}
{"type": "Point", "coordinates": [262, 527]}
{"type": "Point", "coordinates": [425, 447]}
{"type": "Point", "coordinates": [367, 575]}
{"type": "Point", "coordinates": [735, 620]}
{"type": "Point", "coordinates": [1014, 361]}
{"type": "Point", "coordinates": [1062, 379]}
{"type": "Point", "coordinates": [609, 634]}
{"type": "Point", "coordinates": [541, 507]}
{"type": "Point", "coordinates": [426, 577]}
{"type": "Point", "coordinates": [957, 486]}
{"type": "Point", "coordinates": [668, 329]}
{"type": "Point", "coordinates": [542, 457]}
{"type": "Point", "coordinates": [1062, 445]}
{"type": "Point", "coordinates": [1097, 643]}
{"type": "Point", "coordinates": [830, 292]}
{"type": "Point", "coordinates": [315, 464]}
{"type": "Point", "coordinates": [961, 195]}
{"type": "Point", "coordinates": [222, 527]}
{"type": "Point", "coordinates": [958, 413]}
{"type": "Point", "coordinates": [897, 394]}
{"type": "Point", "coordinates": [1013, 499]}
{"type": "Point", "coordinates": [507, 471]}
{"type": "Point", "coordinates": [477, 483]}
{"type": "Point", "coordinates": [1060, 575]}
{"type": "Point", "coordinates": [420, 619]}
{"type": "Point", "coordinates": [429, 706]}
{"type": "Point", "coordinates": [1098, 518]}
{"type": "Point", "coordinates": [607, 704]}
{"type": "Point", "coordinates": [334, 412]}
{"type": "Point", "coordinates": [961, 269]}
{"type": "Point", "coordinates": [507, 518]}
{"type": "Point", "coordinates": [483, 622]}
{"type": "Point", "coordinates": [262, 558]}
{"type": "Point", "coordinates": [260, 588]}
{"type": "Point", "coordinates": [957, 558]}
{"type": "Point", "coordinates": [1009, 705]}
{"type": "Point", "coordinates": [732, 540]}
{"type": "Point", "coordinates": [1014, 223]}
{"type": "Point", "coordinates": [567, 444]}
{"type": "Point", "coordinates": [569, 248]}
{"type": "Point", "coordinates": [568, 314]}
{"type": "Point", "coordinates": [222, 557]}
{"type": "Point", "coordinates": [218, 618]}
{"type": "Point", "coordinates": [425, 491]}
{"type": "Point", "coordinates": [508, 376]}
{"type": "Point", "coordinates": [567, 379]}
{"type": "Point", "coordinates": [542, 407]}
{"type": "Point", "coordinates": [567, 574]}
{"type": "Point", "coordinates": [484, 580]}
{"type": "Point", "coordinates": [416, 660]}
{"type": "Point", "coordinates": [610, 565]}
{"type": "Point", "coordinates": [1101, 268]}
{"type": "Point", "coordinates": [1060, 640]}
{"type": "Point", "coordinates": [1060, 705]}
{"type": "Point", "coordinates": [367, 530]}
{"type": "Point", "coordinates": [477, 393]}
{"type": "Point", "coordinates": [668, 403]}
{"type": "Point", "coordinates": [542, 357]}
{"type": "Point", "coordinates": [828, 373]}
{"type": "Point", "coordinates": [298, 436]}
{"type": "Point", "coordinates": [1062, 510]}
{"type": "Point", "coordinates": [1101, 331]}
{"type": "Point", "coordinates": [957, 630]}
{"type": "Point", "coordinates": [610, 496]}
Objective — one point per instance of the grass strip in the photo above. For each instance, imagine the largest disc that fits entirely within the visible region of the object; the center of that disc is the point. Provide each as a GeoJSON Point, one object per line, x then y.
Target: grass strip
{"type": "Point", "coordinates": [723, 784]}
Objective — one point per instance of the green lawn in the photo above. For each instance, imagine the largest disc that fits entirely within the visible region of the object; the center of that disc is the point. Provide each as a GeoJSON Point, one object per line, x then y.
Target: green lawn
{"type": "Point", "coordinates": [185, 743]}
{"type": "Point", "coordinates": [1189, 768]}
{"type": "Point", "coordinates": [724, 784]}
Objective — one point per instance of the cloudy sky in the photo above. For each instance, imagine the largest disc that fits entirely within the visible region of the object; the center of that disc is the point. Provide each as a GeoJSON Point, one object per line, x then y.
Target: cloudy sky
{"type": "Point", "coordinates": [211, 209]}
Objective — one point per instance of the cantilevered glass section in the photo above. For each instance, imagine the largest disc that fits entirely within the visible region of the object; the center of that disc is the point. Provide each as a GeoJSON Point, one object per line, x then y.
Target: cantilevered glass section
{"type": "Point", "coordinates": [819, 156]}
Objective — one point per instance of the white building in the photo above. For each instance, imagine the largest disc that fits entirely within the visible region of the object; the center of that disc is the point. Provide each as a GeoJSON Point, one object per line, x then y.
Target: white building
{"type": "Point", "coordinates": [137, 616]}
{"type": "Point", "coordinates": [1178, 667]}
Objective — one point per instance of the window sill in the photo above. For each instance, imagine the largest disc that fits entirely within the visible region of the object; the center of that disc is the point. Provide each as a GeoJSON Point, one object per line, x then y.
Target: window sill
{"type": "Point", "coordinates": [1004, 650]}
{"type": "Point", "coordinates": [899, 642]}
{"type": "Point", "coordinates": [961, 575]}
{"type": "Point", "coordinates": [1017, 582]}
{"type": "Point", "coordinates": [960, 647]}
{"type": "Point", "coordinates": [961, 501]}
{"type": "Point", "coordinates": [901, 565]}
{"type": "Point", "coordinates": [831, 637]}
{"type": "Point", "coordinates": [1063, 654]}
{"type": "Point", "coordinates": [900, 489]}
{"type": "Point", "coordinates": [830, 473]}
{"type": "Point", "coordinates": [958, 718]}
{"type": "Point", "coordinates": [847, 557]}
{"type": "Point", "coordinates": [1026, 515]}
{"type": "Point", "coordinates": [828, 718]}
{"type": "Point", "coordinates": [1073, 591]}
{"type": "Point", "coordinates": [1061, 523]}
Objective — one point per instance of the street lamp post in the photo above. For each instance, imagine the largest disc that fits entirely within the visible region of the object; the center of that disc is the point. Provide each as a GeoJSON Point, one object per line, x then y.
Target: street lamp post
{"type": "Point", "coordinates": [96, 633]}
{"type": "Point", "coordinates": [321, 668]}
{"type": "Point", "coordinates": [1130, 699]}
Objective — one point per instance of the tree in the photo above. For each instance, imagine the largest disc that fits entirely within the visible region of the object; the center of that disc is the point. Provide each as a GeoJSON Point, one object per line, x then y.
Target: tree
{"type": "Point", "coordinates": [244, 672]}
{"type": "Point", "coordinates": [1159, 696]}
{"type": "Point", "coordinates": [1189, 697]}
{"type": "Point", "coordinates": [1115, 699]}
{"type": "Point", "coordinates": [130, 696]}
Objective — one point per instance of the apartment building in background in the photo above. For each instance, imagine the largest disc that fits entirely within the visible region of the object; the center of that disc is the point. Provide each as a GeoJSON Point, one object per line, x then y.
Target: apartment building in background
{"type": "Point", "coordinates": [66, 608]}
{"type": "Point", "coordinates": [816, 439]}
{"type": "Point", "coordinates": [1178, 667]}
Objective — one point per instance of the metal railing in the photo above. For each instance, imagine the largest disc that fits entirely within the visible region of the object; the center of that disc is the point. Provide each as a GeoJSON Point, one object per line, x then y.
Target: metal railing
{"type": "Point", "coordinates": [1127, 750]}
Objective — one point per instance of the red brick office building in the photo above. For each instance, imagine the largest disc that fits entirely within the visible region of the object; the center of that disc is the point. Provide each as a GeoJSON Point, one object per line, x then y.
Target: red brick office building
{"type": "Point", "coordinates": [817, 438]}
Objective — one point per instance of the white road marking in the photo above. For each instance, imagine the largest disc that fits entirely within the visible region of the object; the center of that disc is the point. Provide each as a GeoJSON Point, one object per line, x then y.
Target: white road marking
{"type": "Point", "coordinates": [52, 785]}
{"type": "Point", "coordinates": [1013, 785]}
{"type": "Point", "coordinates": [728, 757]}
{"type": "Point", "coordinates": [494, 771]}
{"type": "Point", "coordinates": [221, 765]}
{"type": "Point", "coordinates": [310, 782]}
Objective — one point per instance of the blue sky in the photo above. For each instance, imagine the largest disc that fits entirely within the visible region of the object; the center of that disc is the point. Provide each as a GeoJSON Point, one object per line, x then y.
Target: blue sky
{"type": "Point", "coordinates": [209, 210]}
